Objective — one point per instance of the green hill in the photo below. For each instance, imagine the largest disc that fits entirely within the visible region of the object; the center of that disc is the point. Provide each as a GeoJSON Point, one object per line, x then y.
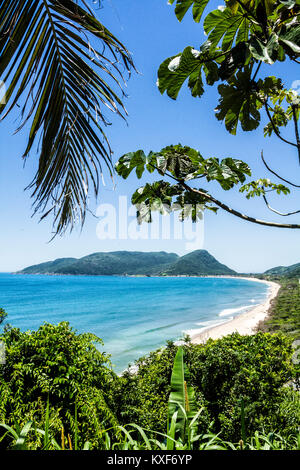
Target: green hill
{"type": "Point", "coordinates": [288, 271]}
{"type": "Point", "coordinates": [199, 262]}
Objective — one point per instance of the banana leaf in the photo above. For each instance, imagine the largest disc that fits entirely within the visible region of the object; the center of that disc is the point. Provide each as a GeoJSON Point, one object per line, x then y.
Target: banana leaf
{"type": "Point", "coordinates": [182, 398]}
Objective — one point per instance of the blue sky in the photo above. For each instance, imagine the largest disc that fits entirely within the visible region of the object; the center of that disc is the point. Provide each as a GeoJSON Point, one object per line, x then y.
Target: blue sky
{"type": "Point", "coordinates": [152, 33]}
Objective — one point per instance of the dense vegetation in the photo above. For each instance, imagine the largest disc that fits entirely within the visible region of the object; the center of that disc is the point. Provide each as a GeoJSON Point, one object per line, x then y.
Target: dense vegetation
{"type": "Point", "coordinates": [239, 385]}
{"type": "Point", "coordinates": [199, 262]}
{"type": "Point", "coordinates": [55, 364]}
{"type": "Point", "coordinates": [286, 271]}
{"type": "Point", "coordinates": [285, 309]}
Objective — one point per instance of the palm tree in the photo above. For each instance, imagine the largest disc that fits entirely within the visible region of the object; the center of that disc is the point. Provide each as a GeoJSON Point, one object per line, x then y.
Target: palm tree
{"type": "Point", "coordinates": [63, 68]}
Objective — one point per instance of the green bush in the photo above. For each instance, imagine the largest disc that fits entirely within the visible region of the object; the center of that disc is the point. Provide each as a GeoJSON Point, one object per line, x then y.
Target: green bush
{"type": "Point", "coordinates": [3, 315]}
{"type": "Point", "coordinates": [56, 364]}
{"type": "Point", "coordinates": [142, 397]}
{"type": "Point", "coordinates": [225, 373]}
{"type": "Point", "coordinates": [242, 369]}
{"type": "Point", "coordinates": [284, 314]}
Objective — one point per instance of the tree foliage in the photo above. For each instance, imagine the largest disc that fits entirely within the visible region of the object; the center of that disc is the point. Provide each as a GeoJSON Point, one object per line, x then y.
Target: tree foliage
{"type": "Point", "coordinates": [183, 164]}
{"type": "Point", "coordinates": [58, 366]}
{"type": "Point", "coordinates": [242, 37]}
{"type": "Point", "coordinates": [223, 373]}
{"type": "Point", "coordinates": [3, 315]}
{"type": "Point", "coordinates": [57, 376]}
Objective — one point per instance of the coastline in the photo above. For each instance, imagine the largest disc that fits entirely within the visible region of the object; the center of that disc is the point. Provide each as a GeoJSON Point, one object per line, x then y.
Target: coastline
{"type": "Point", "coordinates": [244, 323]}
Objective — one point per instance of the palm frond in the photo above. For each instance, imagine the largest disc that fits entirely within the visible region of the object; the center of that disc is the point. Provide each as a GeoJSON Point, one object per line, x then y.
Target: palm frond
{"type": "Point", "coordinates": [66, 69]}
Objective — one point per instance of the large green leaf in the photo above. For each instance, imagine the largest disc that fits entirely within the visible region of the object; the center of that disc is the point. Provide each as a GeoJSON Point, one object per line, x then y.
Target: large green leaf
{"type": "Point", "coordinates": [238, 57]}
{"type": "Point", "coordinates": [182, 6]}
{"type": "Point", "coordinates": [154, 197]}
{"type": "Point", "coordinates": [182, 396]}
{"type": "Point", "coordinates": [228, 172]}
{"type": "Point", "coordinates": [239, 103]}
{"type": "Point", "coordinates": [184, 163]}
{"type": "Point", "coordinates": [226, 26]}
{"type": "Point", "coordinates": [190, 64]}
{"type": "Point", "coordinates": [290, 39]}
{"type": "Point", "coordinates": [268, 52]}
{"type": "Point", "coordinates": [181, 162]}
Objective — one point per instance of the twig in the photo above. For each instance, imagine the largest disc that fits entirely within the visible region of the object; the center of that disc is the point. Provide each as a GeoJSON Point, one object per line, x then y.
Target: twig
{"type": "Point", "coordinates": [277, 212]}
{"type": "Point", "coordinates": [276, 174]}
{"type": "Point", "coordinates": [296, 129]}
{"type": "Point", "coordinates": [227, 208]}
{"type": "Point", "coordinates": [275, 128]}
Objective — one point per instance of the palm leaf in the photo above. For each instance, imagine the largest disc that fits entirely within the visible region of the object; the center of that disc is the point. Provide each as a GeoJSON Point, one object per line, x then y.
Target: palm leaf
{"type": "Point", "coordinates": [64, 84]}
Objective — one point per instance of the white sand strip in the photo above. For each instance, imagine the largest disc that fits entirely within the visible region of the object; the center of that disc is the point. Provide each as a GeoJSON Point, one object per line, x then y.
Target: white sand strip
{"type": "Point", "coordinates": [245, 323]}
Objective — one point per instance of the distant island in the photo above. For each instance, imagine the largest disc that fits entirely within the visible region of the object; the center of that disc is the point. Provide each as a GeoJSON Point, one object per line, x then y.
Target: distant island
{"type": "Point", "coordinates": [196, 263]}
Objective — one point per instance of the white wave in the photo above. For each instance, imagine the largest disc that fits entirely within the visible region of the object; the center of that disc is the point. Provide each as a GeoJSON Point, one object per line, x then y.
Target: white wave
{"type": "Point", "coordinates": [207, 326]}
{"type": "Point", "coordinates": [209, 322]}
{"type": "Point", "coordinates": [232, 311]}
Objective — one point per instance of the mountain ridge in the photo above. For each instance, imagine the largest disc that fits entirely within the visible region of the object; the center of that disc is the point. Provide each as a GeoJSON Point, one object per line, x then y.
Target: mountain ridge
{"type": "Point", "coordinates": [289, 271]}
{"type": "Point", "coordinates": [198, 262]}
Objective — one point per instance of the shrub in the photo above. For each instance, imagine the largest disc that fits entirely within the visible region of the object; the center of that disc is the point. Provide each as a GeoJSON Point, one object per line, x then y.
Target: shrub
{"type": "Point", "coordinates": [56, 364]}
{"type": "Point", "coordinates": [226, 374]}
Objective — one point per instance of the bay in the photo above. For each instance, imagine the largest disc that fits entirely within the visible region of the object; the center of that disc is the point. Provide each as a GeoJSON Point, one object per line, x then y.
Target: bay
{"type": "Point", "coordinates": [133, 315]}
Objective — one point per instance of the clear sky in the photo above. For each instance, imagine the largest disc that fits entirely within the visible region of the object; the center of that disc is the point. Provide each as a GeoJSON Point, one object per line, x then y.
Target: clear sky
{"type": "Point", "coordinates": [152, 33]}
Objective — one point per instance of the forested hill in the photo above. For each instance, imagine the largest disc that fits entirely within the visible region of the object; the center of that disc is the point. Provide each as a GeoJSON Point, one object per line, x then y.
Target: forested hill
{"type": "Point", "coordinates": [199, 262]}
{"type": "Point", "coordinates": [288, 271]}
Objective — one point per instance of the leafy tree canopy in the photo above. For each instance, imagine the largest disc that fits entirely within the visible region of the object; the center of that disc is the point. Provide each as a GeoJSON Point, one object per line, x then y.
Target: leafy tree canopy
{"type": "Point", "coordinates": [242, 36]}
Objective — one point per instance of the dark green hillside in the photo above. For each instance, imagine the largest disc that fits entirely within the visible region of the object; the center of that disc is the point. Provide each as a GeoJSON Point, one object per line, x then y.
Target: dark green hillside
{"type": "Point", "coordinates": [50, 266]}
{"type": "Point", "coordinates": [287, 271]}
{"type": "Point", "coordinates": [115, 263]}
{"type": "Point", "coordinates": [199, 262]}
{"type": "Point", "coordinates": [120, 262]}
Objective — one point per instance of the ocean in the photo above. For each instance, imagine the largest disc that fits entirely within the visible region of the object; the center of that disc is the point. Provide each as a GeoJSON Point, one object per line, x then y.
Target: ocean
{"type": "Point", "coordinates": [133, 315]}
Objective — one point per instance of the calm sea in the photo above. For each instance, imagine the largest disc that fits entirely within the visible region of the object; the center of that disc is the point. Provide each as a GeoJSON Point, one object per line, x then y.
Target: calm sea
{"type": "Point", "coordinates": [132, 315]}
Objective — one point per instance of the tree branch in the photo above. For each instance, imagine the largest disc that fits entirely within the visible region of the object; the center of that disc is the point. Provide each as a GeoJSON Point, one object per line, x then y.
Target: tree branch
{"type": "Point", "coordinates": [276, 174]}
{"type": "Point", "coordinates": [296, 129]}
{"type": "Point", "coordinates": [275, 128]}
{"type": "Point", "coordinates": [277, 212]}
{"type": "Point", "coordinates": [227, 208]}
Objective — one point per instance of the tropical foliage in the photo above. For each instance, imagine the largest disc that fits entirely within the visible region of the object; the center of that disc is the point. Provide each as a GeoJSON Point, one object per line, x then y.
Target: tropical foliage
{"type": "Point", "coordinates": [227, 375]}
{"type": "Point", "coordinates": [55, 365]}
{"type": "Point", "coordinates": [285, 309]}
{"type": "Point", "coordinates": [57, 391]}
{"type": "Point", "coordinates": [242, 37]}
{"type": "Point", "coordinates": [183, 164]}
{"type": "Point", "coordinates": [64, 70]}
{"type": "Point", "coordinates": [133, 437]}
{"type": "Point", "coordinates": [3, 315]}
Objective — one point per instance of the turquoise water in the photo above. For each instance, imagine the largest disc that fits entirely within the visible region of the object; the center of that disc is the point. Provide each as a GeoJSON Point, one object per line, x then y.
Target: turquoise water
{"type": "Point", "coordinates": [132, 315]}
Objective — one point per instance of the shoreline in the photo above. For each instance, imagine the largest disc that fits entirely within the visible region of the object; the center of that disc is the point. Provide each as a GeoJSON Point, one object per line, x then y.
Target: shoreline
{"type": "Point", "coordinates": [244, 323]}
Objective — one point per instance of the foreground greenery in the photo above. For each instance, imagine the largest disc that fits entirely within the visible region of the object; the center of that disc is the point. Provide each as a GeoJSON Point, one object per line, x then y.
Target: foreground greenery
{"type": "Point", "coordinates": [58, 390]}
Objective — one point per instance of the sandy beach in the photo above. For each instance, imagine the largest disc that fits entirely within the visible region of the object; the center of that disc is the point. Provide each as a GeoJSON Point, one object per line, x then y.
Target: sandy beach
{"type": "Point", "coordinates": [244, 323]}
